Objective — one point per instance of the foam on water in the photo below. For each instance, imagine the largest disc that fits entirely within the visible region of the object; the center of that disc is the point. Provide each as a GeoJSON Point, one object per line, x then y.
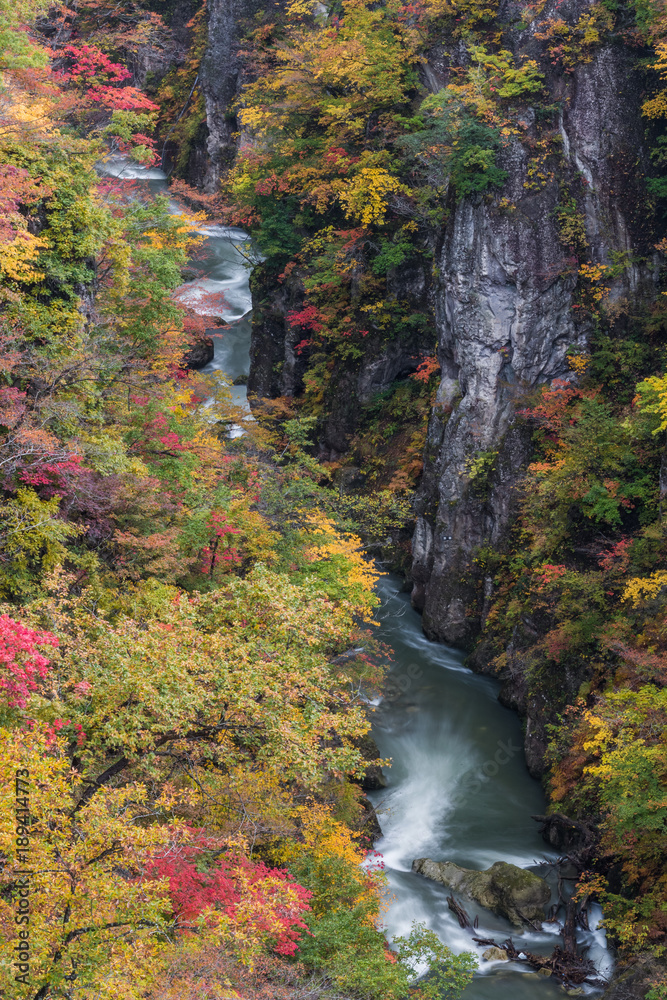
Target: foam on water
{"type": "Point", "coordinates": [458, 790]}
{"type": "Point", "coordinates": [224, 233]}
{"type": "Point", "coordinates": [229, 298]}
{"type": "Point", "coordinates": [128, 170]}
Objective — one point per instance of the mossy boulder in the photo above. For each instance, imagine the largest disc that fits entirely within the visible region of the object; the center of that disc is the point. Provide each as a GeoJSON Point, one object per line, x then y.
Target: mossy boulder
{"type": "Point", "coordinates": [509, 891]}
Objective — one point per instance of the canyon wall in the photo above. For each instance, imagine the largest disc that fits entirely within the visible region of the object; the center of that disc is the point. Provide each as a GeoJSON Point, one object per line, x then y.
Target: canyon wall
{"type": "Point", "coordinates": [505, 319]}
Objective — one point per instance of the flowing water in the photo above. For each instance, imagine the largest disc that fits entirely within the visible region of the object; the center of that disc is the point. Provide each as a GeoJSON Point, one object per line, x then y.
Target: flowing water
{"type": "Point", "coordinates": [458, 788]}
{"type": "Point", "coordinates": [220, 288]}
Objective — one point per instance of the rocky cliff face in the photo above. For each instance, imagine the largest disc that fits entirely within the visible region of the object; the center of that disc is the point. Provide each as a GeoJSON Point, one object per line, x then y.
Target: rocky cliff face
{"type": "Point", "coordinates": [224, 70]}
{"type": "Point", "coordinates": [506, 312]}
{"type": "Point", "coordinates": [503, 301]}
{"type": "Point", "coordinates": [277, 369]}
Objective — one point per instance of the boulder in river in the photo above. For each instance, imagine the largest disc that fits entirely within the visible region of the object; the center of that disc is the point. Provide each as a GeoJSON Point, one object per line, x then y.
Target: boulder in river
{"type": "Point", "coordinates": [199, 354]}
{"type": "Point", "coordinates": [495, 955]}
{"type": "Point", "coordinates": [505, 889]}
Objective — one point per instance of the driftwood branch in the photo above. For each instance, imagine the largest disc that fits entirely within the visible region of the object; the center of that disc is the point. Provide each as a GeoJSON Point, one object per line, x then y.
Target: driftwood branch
{"type": "Point", "coordinates": [461, 915]}
{"type": "Point", "coordinates": [570, 969]}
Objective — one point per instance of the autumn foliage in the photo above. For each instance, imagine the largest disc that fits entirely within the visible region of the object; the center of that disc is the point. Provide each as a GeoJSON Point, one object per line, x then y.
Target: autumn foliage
{"type": "Point", "coordinates": [206, 879]}
{"type": "Point", "coordinates": [22, 665]}
{"type": "Point", "coordinates": [176, 601]}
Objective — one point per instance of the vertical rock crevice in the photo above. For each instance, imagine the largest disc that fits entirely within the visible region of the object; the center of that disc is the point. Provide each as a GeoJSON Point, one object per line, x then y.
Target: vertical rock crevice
{"type": "Point", "coordinates": [505, 321]}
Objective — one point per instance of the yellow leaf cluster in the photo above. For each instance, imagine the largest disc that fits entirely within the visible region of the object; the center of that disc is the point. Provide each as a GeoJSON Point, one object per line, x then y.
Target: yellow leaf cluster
{"type": "Point", "coordinates": [17, 258]}
{"type": "Point", "coordinates": [81, 911]}
{"type": "Point", "coordinates": [602, 733]}
{"type": "Point", "coordinates": [331, 543]}
{"type": "Point", "coordinates": [645, 588]}
{"type": "Point", "coordinates": [579, 363]}
{"type": "Point", "coordinates": [365, 196]}
{"type": "Point", "coordinates": [324, 836]}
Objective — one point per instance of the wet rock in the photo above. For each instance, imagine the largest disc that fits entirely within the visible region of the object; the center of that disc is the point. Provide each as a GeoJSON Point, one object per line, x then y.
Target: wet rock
{"type": "Point", "coordinates": [369, 823]}
{"type": "Point", "coordinates": [190, 273]}
{"type": "Point", "coordinates": [495, 955]}
{"type": "Point", "coordinates": [569, 836]}
{"type": "Point", "coordinates": [200, 354]}
{"type": "Point", "coordinates": [373, 779]}
{"type": "Point", "coordinates": [508, 891]}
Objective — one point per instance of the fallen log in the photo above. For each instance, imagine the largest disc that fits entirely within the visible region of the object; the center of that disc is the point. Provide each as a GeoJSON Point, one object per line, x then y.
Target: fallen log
{"type": "Point", "coordinates": [570, 928]}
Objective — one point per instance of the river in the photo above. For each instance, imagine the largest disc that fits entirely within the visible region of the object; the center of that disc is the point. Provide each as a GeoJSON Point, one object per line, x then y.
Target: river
{"type": "Point", "coordinates": [458, 788]}
{"type": "Point", "coordinates": [221, 261]}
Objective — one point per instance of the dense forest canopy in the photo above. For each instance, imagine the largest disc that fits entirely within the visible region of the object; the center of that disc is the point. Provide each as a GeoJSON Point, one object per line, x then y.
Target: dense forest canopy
{"type": "Point", "coordinates": [178, 730]}
{"type": "Point", "coordinates": [182, 736]}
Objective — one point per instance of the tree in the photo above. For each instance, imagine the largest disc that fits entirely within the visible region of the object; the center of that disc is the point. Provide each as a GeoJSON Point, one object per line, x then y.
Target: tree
{"type": "Point", "coordinates": [73, 890]}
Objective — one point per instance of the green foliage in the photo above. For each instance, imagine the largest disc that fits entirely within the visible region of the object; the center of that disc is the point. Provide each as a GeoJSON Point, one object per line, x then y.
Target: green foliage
{"type": "Point", "coordinates": [618, 362]}
{"type": "Point", "coordinates": [595, 478]}
{"type": "Point", "coordinates": [389, 443]}
{"type": "Point", "coordinates": [33, 534]}
{"type": "Point", "coordinates": [466, 146]}
{"type": "Point", "coordinates": [479, 468]}
{"type": "Point", "coordinates": [582, 595]}
{"type": "Point", "coordinates": [345, 940]}
{"type": "Point", "coordinates": [124, 125]}
{"type": "Point", "coordinates": [277, 236]}
{"type": "Point", "coordinates": [510, 81]}
{"type": "Point", "coordinates": [17, 50]}
{"type": "Point", "coordinates": [449, 974]}
{"type": "Point", "coordinates": [141, 302]}
{"type": "Point", "coordinates": [523, 80]}
{"type": "Point", "coordinates": [354, 954]}
{"type": "Point", "coordinates": [392, 253]}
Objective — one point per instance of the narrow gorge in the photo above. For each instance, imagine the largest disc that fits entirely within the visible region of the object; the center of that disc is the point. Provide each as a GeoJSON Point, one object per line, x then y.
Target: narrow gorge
{"type": "Point", "coordinates": [333, 553]}
{"type": "Point", "coordinates": [511, 285]}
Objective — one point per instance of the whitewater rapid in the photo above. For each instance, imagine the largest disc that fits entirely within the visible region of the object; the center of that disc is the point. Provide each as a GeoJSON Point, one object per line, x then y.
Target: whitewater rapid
{"type": "Point", "coordinates": [458, 790]}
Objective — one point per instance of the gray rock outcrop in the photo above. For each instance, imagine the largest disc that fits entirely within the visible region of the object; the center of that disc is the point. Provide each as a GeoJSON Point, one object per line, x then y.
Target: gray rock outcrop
{"type": "Point", "coordinates": [223, 72]}
{"type": "Point", "coordinates": [495, 955]}
{"type": "Point", "coordinates": [508, 891]}
{"type": "Point", "coordinates": [505, 319]}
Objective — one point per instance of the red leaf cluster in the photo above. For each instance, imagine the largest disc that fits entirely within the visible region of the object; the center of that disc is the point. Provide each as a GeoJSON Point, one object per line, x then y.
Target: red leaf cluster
{"type": "Point", "coordinates": [100, 78]}
{"type": "Point", "coordinates": [202, 876]}
{"type": "Point", "coordinates": [21, 663]}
